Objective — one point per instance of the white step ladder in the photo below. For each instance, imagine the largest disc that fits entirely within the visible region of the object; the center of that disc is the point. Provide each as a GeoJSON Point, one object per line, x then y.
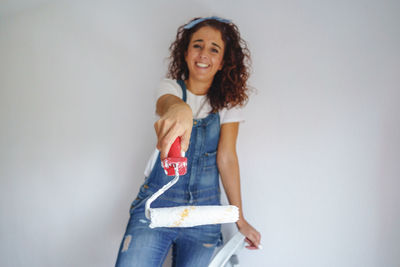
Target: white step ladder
{"type": "Point", "coordinates": [235, 244]}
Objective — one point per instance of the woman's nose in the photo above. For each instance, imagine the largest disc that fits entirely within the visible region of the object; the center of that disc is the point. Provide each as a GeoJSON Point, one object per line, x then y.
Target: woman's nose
{"type": "Point", "coordinates": [203, 54]}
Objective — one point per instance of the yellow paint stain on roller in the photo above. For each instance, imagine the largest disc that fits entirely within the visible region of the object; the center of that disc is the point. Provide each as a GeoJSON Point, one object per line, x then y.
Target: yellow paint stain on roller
{"type": "Point", "coordinates": [184, 214]}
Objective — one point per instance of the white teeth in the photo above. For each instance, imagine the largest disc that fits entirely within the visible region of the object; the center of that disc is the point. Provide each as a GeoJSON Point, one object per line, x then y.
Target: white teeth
{"type": "Point", "coordinates": [202, 65]}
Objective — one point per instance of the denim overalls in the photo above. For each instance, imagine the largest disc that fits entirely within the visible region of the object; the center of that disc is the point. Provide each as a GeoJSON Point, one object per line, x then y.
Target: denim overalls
{"type": "Point", "coordinates": [192, 246]}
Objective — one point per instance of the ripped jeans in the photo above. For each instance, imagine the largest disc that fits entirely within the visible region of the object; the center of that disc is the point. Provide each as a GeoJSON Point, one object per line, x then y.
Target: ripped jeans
{"type": "Point", "coordinates": [146, 247]}
{"type": "Point", "coordinates": [192, 246]}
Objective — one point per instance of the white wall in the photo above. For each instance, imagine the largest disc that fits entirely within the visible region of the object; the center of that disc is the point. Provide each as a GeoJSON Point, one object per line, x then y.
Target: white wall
{"type": "Point", "coordinates": [319, 151]}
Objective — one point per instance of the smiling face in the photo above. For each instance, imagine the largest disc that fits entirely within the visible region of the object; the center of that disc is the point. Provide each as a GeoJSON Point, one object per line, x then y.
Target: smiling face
{"type": "Point", "coordinates": [204, 56]}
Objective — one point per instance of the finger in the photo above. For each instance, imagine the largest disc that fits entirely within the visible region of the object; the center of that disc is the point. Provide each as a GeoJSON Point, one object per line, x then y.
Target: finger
{"type": "Point", "coordinates": [259, 240]}
{"type": "Point", "coordinates": [251, 245]}
{"type": "Point", "coordinates": [185, 139]}
{"type": "Point", "coordinates": [167, 141]}
{"type": "Point", "coordinates": [156, 129]}
{"type": "Point", "coordinates": [161, 130]}
{"type": "Point", "coordinates": [253, 242]}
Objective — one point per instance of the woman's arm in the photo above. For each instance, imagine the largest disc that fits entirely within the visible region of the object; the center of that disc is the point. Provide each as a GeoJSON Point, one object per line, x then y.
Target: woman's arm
{"type": "Point", "coordinates": [176, 119]}
{"type": "Point", "coordinates": [228, 166]}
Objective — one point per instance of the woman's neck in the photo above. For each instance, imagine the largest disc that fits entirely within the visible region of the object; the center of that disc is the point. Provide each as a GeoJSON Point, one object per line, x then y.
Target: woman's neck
{"type": "Point", "coordinates": [198, 87]}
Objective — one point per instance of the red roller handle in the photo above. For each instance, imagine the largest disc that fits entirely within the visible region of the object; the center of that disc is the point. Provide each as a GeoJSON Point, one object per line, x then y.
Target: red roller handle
{"type": "Point", "coordinates": [175, 158]}
{"type": "Point", "coordinates": [175, 150]}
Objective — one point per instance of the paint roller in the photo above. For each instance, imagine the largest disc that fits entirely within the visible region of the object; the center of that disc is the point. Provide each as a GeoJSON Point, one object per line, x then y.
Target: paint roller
{"type": "Point", "coordinates": [184, 216]}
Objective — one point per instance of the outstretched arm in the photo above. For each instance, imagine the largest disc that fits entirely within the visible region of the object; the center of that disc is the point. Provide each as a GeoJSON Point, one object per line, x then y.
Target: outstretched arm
{"type": "Point", "coordinates": [176, 119]}
{"type": "Point", "coordinates": [228, 166]}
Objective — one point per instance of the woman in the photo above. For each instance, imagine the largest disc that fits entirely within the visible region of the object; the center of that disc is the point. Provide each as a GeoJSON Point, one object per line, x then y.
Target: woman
{"type": "Point", "coordinates": [201, 104]}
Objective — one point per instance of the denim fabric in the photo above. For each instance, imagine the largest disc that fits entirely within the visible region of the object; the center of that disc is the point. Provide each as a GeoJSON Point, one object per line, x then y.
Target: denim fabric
{"type": "Point", "coordinates": [192, 246]}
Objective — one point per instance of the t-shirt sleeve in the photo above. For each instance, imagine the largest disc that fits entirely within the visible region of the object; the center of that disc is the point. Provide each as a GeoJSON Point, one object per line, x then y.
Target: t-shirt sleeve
{"type": "Point", "coordinates": [168, 86]}
{"type": "Point", "coordinates": [235, 114]}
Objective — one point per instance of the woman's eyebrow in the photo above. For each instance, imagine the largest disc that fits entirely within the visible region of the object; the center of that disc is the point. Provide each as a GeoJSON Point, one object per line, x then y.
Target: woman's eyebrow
{"type": "Point", "coordinates": [201, 40]}
{"type": "Point", "coordinates": [217, 45]}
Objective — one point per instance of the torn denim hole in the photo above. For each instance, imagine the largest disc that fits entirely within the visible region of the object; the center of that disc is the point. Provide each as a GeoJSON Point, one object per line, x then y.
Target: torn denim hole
{"type": "Point", "coordinates": [208, 245]}
{"type": "Point", "coordinates": [127, 242]}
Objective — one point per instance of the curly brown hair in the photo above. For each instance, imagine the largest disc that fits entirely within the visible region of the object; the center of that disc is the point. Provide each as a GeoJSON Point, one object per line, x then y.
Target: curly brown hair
{"type": "Point", "coordinates": [229, 87]}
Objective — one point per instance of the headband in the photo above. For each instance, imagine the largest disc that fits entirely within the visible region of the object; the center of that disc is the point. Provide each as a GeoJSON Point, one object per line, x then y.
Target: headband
{"type": "Point", "coordinates": [197, 21]}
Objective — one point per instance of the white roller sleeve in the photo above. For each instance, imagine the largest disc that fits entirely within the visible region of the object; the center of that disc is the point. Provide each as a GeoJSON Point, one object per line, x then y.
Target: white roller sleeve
{"type": "Point", "coordinates": [187, 216]}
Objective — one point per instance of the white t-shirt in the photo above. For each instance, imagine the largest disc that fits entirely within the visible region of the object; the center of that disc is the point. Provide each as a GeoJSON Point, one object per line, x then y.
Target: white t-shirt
{"type": "Point", "coordinates": [200, 106]}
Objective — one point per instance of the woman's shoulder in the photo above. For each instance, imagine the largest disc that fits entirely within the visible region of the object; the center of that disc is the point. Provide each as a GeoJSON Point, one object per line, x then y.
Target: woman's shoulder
{"type": "Point", "coordinates": [169, 82]}
{"type": "Point", "coordinates": [232, 114]}
{"type": "Point", "coordinates": [168, 86]}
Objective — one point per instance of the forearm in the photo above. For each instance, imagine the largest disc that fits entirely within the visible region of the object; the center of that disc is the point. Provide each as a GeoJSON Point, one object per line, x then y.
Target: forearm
{"type": "Point", "coordinates": [176, 119]}
{"type": "Point", "coordinates": [228, 166]}
{"type": "Point", "coordinates": [167, 102]}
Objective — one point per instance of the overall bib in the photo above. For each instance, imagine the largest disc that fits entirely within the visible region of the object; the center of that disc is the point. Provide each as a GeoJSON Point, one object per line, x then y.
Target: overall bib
{"type": "Point", "coordinates": [192, 246]}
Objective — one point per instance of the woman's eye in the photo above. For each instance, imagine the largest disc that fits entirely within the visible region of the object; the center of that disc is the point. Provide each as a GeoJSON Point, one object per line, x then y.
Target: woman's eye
{"type": "Point", "coordinates": [196, 46]}
{"type": "Point", "coordinates": [214, 50]}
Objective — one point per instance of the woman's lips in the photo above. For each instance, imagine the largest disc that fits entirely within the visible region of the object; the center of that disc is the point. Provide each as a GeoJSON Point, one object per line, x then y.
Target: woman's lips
{"type": "Point", "coordinates": [202, 65]}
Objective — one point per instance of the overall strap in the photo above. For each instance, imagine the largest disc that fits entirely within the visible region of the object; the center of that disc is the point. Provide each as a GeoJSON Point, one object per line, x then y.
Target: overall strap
{"type": "Point", "coordinates": [183, 86]}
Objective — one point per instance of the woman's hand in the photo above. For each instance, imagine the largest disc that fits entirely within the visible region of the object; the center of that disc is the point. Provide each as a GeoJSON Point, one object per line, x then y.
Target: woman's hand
{"type": "Point", "coordinates": [176, 119]}
{"type": "Point", "coordinates": [253, 237]}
